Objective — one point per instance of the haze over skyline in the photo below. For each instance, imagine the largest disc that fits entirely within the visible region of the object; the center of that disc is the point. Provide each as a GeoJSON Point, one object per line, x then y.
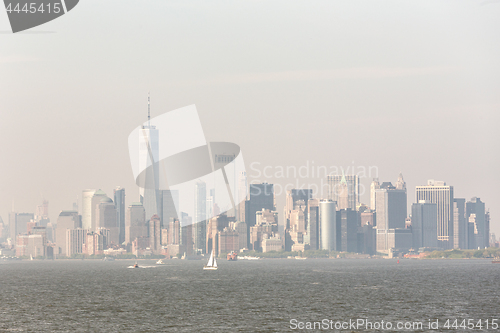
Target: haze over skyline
{"type": "Point", "coordinates": [410, 87]}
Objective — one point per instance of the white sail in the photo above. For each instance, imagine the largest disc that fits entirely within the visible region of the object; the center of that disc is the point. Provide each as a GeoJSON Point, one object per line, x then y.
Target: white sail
{"type": "Point", "coordinates": [211, 260]}
{"type": "Point", "coordinates": [215, 263]}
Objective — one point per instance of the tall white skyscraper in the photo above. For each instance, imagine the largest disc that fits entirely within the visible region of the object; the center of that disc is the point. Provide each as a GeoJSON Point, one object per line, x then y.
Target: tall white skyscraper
{"type": "Point", "coordinates": [328, 225]}
{"type": "Point", "coordinates": [441, 194]}
{"type": "Point", "coordinates": [374, 186]}
{"type": "Point", "coordinates": [96, 200]}
{"type": "Point", "coordinates": [87, 208]}
{"type": "Point", "coordinates": [148, 159]}
{"type": "Point", "coordinates": [200, 210]}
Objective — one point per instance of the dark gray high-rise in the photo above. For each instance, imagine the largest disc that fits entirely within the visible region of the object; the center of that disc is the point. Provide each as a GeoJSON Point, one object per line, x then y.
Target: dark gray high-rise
{"type": "Point", "coordinates": [261, 197]}
{"type": "Point", "coordinates": [119, 195]}
{"type": "Point", "coordinates": [475, 208]}
{"type": "Point", "coordinates": [424, 224]}
{"type": "Point", "coordinates": [313, 223]}
{"type": "Point", "coordinates": [347, 230]}
{"type": "Point", "coordinates": [390, 202]}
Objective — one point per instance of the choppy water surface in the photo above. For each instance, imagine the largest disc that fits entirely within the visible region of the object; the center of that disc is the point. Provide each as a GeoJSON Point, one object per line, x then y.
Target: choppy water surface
{"type": "Point", "coordinates": [244, 296]}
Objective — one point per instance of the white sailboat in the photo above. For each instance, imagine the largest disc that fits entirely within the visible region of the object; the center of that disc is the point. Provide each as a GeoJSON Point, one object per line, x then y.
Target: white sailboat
{"type": "Point", "coordinates": [212, 263]}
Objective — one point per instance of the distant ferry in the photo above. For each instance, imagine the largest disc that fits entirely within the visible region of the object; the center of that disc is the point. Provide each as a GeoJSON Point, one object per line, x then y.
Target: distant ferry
{"type": "Point", "coordinates": [232, 256]}
{"type": "Point", "coordinates": [495, 262]}
{"type": "Point", "coordinates": [250, 258]}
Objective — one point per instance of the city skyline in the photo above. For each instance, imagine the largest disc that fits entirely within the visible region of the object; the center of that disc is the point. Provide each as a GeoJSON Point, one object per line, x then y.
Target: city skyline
{"type": "Point", "coordinates": [249, 165]}
{"type": "Point", "coordinates": [87, 209]}
{"type": "Point", "coordinates": [336, 229]}
{"type": "Point", "coordinates": [374, 86]}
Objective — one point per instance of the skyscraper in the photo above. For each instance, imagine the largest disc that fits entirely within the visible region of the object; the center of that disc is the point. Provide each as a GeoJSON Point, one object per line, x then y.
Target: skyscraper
{"type": "Point", "coordinates": [135, 222]}
{"type": "Point", "coordinates": [313, 224]}
{"type": "Point", "coordinates": [200, 210]}
{"type": "Point", "coordinates": [169, 202]}
{"type": "Point", "coordinates": [242, 195]}
{"type": "Point", "coordinates": [20, 223]}
{"type": "Point", "coordinates": [174, 246]}
{"type": "Point", "coordinates": [94, 205]}
{"type": "Point", "coordinates": [3, 231]}
{"type": "Point", "coordinates": [66, 220]}
{"type": "Point", "coordinates": [328, 225]}
{"type": "Point", "coordinates": [424, 224]}
{"type": "Point", "coordinates": [487, 228]}
{"type": "Point", "coordinates": [391, 215]}
{"type": "Point", "coordinates": [477, 207]}
{"type": "Point", "coordinates": [106, 218]}
{"type": "Point", "coordinates": [439, 193]}
{"type": "Point", "coordinates": [155, 234]}
{"type": "Point", "coordinates": [119, 195]}
{"type": "Point", "coordinates": [87, 208]}
{"type": "Point", "coordinates": [400, 183]}
{"type": "Point", "coordinates": [347, 230]}
{"type": "Point", "coordinates": [148, 161]}
{"type": "Point", "coordinates": [261, 197]}
{"type": "Point", "coordinates": [460, 228]}
{"type": "Point", "coordinates": [292, 197]}
{"type": "Point", "coordinates": [374, 186]}
{"type": "Point", "coordinates": [42, 212]}
{"type": "Point", "coordinates": [338, 184]}
{"type": "Point", "coordinates": [220, 159]}
{"type": "Point", "coordinates": [390, 207]}
{"type": "Point", "coordinates": [75, 240]}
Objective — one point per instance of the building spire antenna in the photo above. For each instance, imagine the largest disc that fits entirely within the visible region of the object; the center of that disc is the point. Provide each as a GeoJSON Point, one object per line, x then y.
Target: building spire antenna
{"type": "Point", "coordinates": [149, 112]}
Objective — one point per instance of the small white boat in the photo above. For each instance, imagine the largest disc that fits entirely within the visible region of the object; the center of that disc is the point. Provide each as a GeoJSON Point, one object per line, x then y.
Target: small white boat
{"type": "Point", "coordinates": [250, 258]}
{"type": "Point", "coordinates": [212, 263]}
{"type": "Point", "coordinates": [160, 262]}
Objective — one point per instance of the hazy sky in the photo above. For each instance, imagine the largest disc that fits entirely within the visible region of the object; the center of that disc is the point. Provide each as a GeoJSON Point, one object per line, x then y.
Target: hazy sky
{"type": "Point", "coordinates": [410, 86]}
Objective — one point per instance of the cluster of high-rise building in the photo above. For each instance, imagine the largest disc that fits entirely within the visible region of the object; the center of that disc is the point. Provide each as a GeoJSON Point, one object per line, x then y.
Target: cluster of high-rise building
{"type": "Point", "coordinates": [437, 220]}
{"type": "Point", "coordinates": [158, 225]}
